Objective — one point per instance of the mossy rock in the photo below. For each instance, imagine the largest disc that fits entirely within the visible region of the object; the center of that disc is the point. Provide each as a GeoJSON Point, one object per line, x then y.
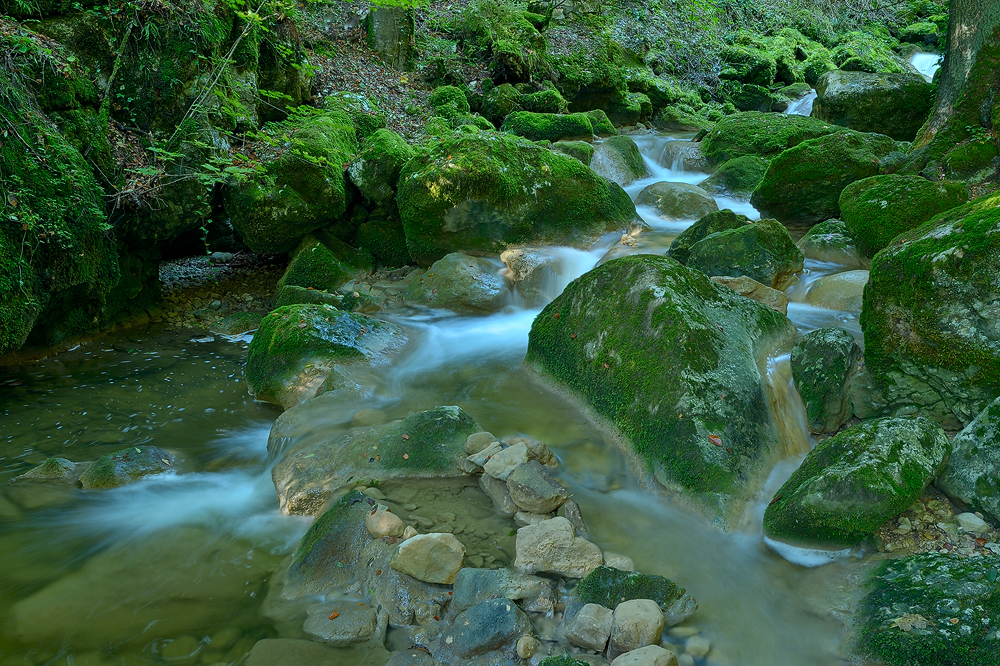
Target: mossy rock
{"type": "Point", "coordinates": [297, 347]}
{"type": "Point", "coordinates": [803, 184]}
{"type": "Point", "coordinates": [921, 32]}
{"type": "Point", "coordinates": [971, 476]}
{"type": "Point", "coordinates": [823, 363]}
{"type": "Point", "coordinates": [738, 177]}
{"type": "Point", "coordinates": [384, 239]}
{"type": "Point", "coordinates": [461, 283]}
{"type": "Point", "coordinates": [761, 134]}
{"type": "Point", "coordinates": [867, 50]}
{"type": "Point", "coordinates": [747, 97]}
{"type": "Point", "coordinates": [375, 170]}
{"type": "Point", "coordinates": [484, 193]}
{"type": "Point", "coordinates": [795, 90]}
{"type": "Point", "coordinates": [618, 159]}
{"type": "Point", "coordinates": [969, 159]}
{"type": "Point", "coordinates": [816, 66]}
{"type": "Point", "coordinates": [677, 201]}
{"type": "Point", "coordinates": [238, 323]}
{"type": "Point", "coordinates": [763, 251]}
{"type": "Point", "coordinates": [830, 241]}
{"type": "Point", "coordinates": [294, 295]}
{"type": "Point", "coordinates": [548, 126]}
{"type": "Point", "coordinates": [578, 150]}
{"type": "Point", "coordinates": [428, 444]}
{"type": "Point", "coordinates": [562, 660]}
{"type": "Point", "coordinates": [908, 615]}
{"type": "Point", "coordinates": [877, 209]}
{"type": "Point", "coordinates": [670, 358]}
{"type": "Point", "coordinates": [544, 101]}
{"type": "Point", "coordinates": [927, 346]}
{"type": "Point", "coordinates": [315, 266]}
{"type": "Point", "coordinates": [852, 483]}
{"type": "Point", "coordinates": [601, 124]}
{"type": "Point", "coordinates": [892, 104]}
{"type": "Point", "coordinates": [328, 552]}
{"type": "Point", "coordinates": [499, 102]}
{"type": "Point", "coordinates": [301, 189]}
{"type": "Point", "coordinates": [748, 65]}
{"type": "Point", "coordinates": [125, 466]}
{"type": "Point", "coordinates": [674, 119]}
{"type": "Point", "coordinates": [365, 114]}
{"type": "Point", "coordinates": [722, 220]}
{"type": "Point", "coordinates": [608, 587]}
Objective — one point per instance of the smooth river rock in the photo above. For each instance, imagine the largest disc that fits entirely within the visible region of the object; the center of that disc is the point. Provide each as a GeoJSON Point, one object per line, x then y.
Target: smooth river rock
{"type": "Point", "coordinates": [971, 477]}
{"type": "Point", "coordinates": [636, 624]}
{"type": "Point", "coordinates": [651, 655]}
{"type": "Point", "coordinates": [591, 627]}
{"type": "Point", "coordinates": [552, 546]}
{"type": "Point", "coordinates": [533, 489]}
{"type": "Point", "coordinates": [431, 558]}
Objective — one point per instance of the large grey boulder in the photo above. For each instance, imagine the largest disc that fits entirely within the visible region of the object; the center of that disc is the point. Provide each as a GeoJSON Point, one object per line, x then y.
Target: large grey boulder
{"type": "Point", "coordinates": [892, 104]}
{"type": "Point", "coordinates": [618, 159]}
{"type": "Point", "coordinates": [461, 283]}
{"type": "Point", "coordinates": [971, 476]}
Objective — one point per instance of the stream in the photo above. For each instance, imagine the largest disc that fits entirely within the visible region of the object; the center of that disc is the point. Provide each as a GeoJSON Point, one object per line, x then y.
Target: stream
{"type": "Point", "coordinates": [175, 569]}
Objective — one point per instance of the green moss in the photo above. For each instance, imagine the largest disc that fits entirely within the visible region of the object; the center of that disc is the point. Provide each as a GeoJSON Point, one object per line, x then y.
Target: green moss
{"type": "Point", "coordinates": [852, 483]}
{"type": "Point", "coordinates": [877, 209]}
{"type": "Point", "coordinates": [869, 50]}
{"type": "Point", "coordinates": [680, 119]}
{"type": "Point", "coordinates": [638, 338]}
{"type": "Point", "coordinates": [969, 158]}
{"type": "Point", "coordinates": [748, 65]}
{"type": "Point", "coordinates": [932, 591]}
{"type": "Point", "coordinates": [365, 114]}
{"type": "Point", "coordinates": [376, 169]}
{"type": "Point", "coordinates": [548, 126]}
{"type": "Point", "coordinates": [300, 189]}
{"type": "Point", "coordinates": [578, 150]}
{"type": "Point", "coordinates": [608, 587]}
{"type": "Point", "coordinates": [544, 101]}
{"type": "Point", "coordinates": [804, 183]}
{"type": "Point", "coordinates": [601, 124]}
{"type": "Point", "coordinates": [482, 193]}
{"type": "Point", "coordinates": [125, 466]}
{"type": "Point", "coordinates": [763, 251]}
{"type": "Point", "coordinates": [737, 177]}
{"type": "Point", "coordinates": [680, 248]}
{"type": "Point", "coordinates": [499, 102]}
{"type": "Point", "coordinates": [315, 266]}
{"type": "Point", "coordinates": [385, 240]}
{"type": "Point", "coordinates": [924, 351]}
{"type": "Point", "coordinates": [562, 660]}
{"type": "Point", "coordinates": [762, 134]}
{"type": "Point", "coordinates": [449, 102]}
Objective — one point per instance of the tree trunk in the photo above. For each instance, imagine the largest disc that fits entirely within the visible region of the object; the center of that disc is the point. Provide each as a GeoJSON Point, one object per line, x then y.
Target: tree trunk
{"type": "Point", "coordinates": [391, 33]}
{"type": "Point", "coordinates": [968, 102]}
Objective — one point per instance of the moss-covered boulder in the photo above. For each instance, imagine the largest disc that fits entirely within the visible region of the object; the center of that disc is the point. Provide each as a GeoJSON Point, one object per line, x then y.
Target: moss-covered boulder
{"type": "Point", "coordinates": [972, 475]}
{"type": "Point", "coordinates": [618, 159]}
{"type": "Point", "coordinates": [850, 484]}
{"type": "Point", "coordinates": [737, 177]}
{"type": "Point", "coordinates": [428, 444]}
{"type": "Point", "coordinates": [548, 126]}
{"type": "Point", "coordinates": [761, 134]}
{"type": "Point", "coordinates": [326, 556]}
{"type": "Point", "coordinates": [677, 201]}
{"type": "Point", "coordinates": [722, 220]}
{"type": "Point", "coordinates": [875, 210]}
{"type": "Point", "coordinates": [747, 65]}
{"type": "Point", "coordinates": [892, 104]}
{"type": "Point", "coordinates": [763, 251]}
{"type": "Point", "coordinates": [499, 102]}
{"type": "Point", "coordinates": [970, 159]}
{"type": "Point", "coordinates": [601, 123]}
{"type": "Point", "coordinates": [365, 114]}
{"type": "Point", "coordinates": [461, 283]}
{"type": "Point", "coordinates": [931, 609]}
{"type": "Point", "coordinates": [291, 294]}
{"type": "Point", "coordinates": [301, 188]}
{"type": "Point", "coordinates": [830, 241]}
{"type": "Point", "coordinates": [671, 359]}
{"type": "Point", "coordinates": [803, 184]}
{"type": "Point", "coordinates": [578, 150]}
{"type": "Point", "coordinates": [681, 119]}
{"type": "Point", "coordinates": [562, 660]}
{"type": "Point", "coordinates": [384, 239]}
{"type": "Point", "coordinates": [930, 311]}
{"type": "Point", "coordinates": [823, 363]}
{"type": "Point", "coordinates": [375, 171]}
{"type": "Point", "coordinates": [748, 96]}
{"type": "Point", "coordinates": [484, 193]}
{"type": "Point", "coordinates": [608, 587]}
{"type": "Point", "coordinates": [449, 102]}
{"type": "Point", "coordinates": [313, 265]}
{"type": "Point", "coordinates": [125, 466]}
{"type": "Point", "coordinates": [297, 347]}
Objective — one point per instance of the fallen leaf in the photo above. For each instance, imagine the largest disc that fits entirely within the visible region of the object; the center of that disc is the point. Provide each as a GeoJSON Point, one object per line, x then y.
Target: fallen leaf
{"type": "Point", "coordinates": [334, 615]}
{"type": "Point", "coordinates": [406, 456]}
{"type": "Point", "coordinates": [406, 437]}
{"type": "Point", "coordinates": [909, 622]}
{"type": "Point", "coordinates": [715, 439]}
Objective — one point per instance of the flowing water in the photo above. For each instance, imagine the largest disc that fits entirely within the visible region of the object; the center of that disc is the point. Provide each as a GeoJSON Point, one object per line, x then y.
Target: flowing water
{"type": "Point", "coordinates": [802, 107]}
{"type": "Point", "coordinates": [927, 63]}
{"type": "Point", "coordinates": [174, 569]}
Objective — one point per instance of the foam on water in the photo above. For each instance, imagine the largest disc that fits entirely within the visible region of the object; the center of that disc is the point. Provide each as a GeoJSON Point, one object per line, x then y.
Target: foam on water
{"type": "Point", "coordinates": [802, 107]}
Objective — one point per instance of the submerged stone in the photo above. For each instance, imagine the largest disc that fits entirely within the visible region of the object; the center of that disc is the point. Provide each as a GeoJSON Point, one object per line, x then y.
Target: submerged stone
{"type": "Point", "coordinates": [931, 609]}
{"type": "Point", "coordinates": [297, 348]}
{"type": "Point", "coordinates": [672, 360]}
{"type": "Point", "coordinates": [510, 191]}
{"type": "Point", "coordinates": [125, 466]}
{"type": "Point", "coordinates": [850, 484]}
{"type": "Point", "coordinates": [930, 313]}
{"type": "Point", "coordinates": [427, 444]}
{"type": "Point", "coordinates": [823, 363]}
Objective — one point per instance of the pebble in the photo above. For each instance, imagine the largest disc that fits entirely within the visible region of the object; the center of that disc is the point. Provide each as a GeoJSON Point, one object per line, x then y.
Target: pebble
{"type": "Point", "coordinates": [698, 647]}
{"type": "Point", "coordinates": [651, 655]}
{"type": "Point", "coordinates": [479, 441]}
{"type": "Point", "coordinates": [522, 518]}
{"type": "Point", "coordinates": [591, 627]}
{"type": "Point", "coordinates": [637, 623]}
{"type": "Point", "coordinates": [533, 489]}
{"type": "Point", "coordinates": [482, 456]}
{"type": "Point", "coordinates": [383, 523]}
{"type": "Point", "coordinates": [970, 522]}
{"type": "Point", "coordinates": [431, 558]}
{"type": "Point", "coordinates": [526, 647]}
{"type": "Point", "coordinates": [500, 465]}
{"type": "Point", "coordinates": [620, 562]}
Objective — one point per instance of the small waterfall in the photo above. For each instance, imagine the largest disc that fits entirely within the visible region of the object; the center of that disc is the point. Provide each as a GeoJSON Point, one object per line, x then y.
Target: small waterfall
{"type": "Point", "coordinates": [787, 408]}
{"type": "Point", "coordinates": [927, 64]}
{"type": "Point", "coordinates": [802, 107]}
